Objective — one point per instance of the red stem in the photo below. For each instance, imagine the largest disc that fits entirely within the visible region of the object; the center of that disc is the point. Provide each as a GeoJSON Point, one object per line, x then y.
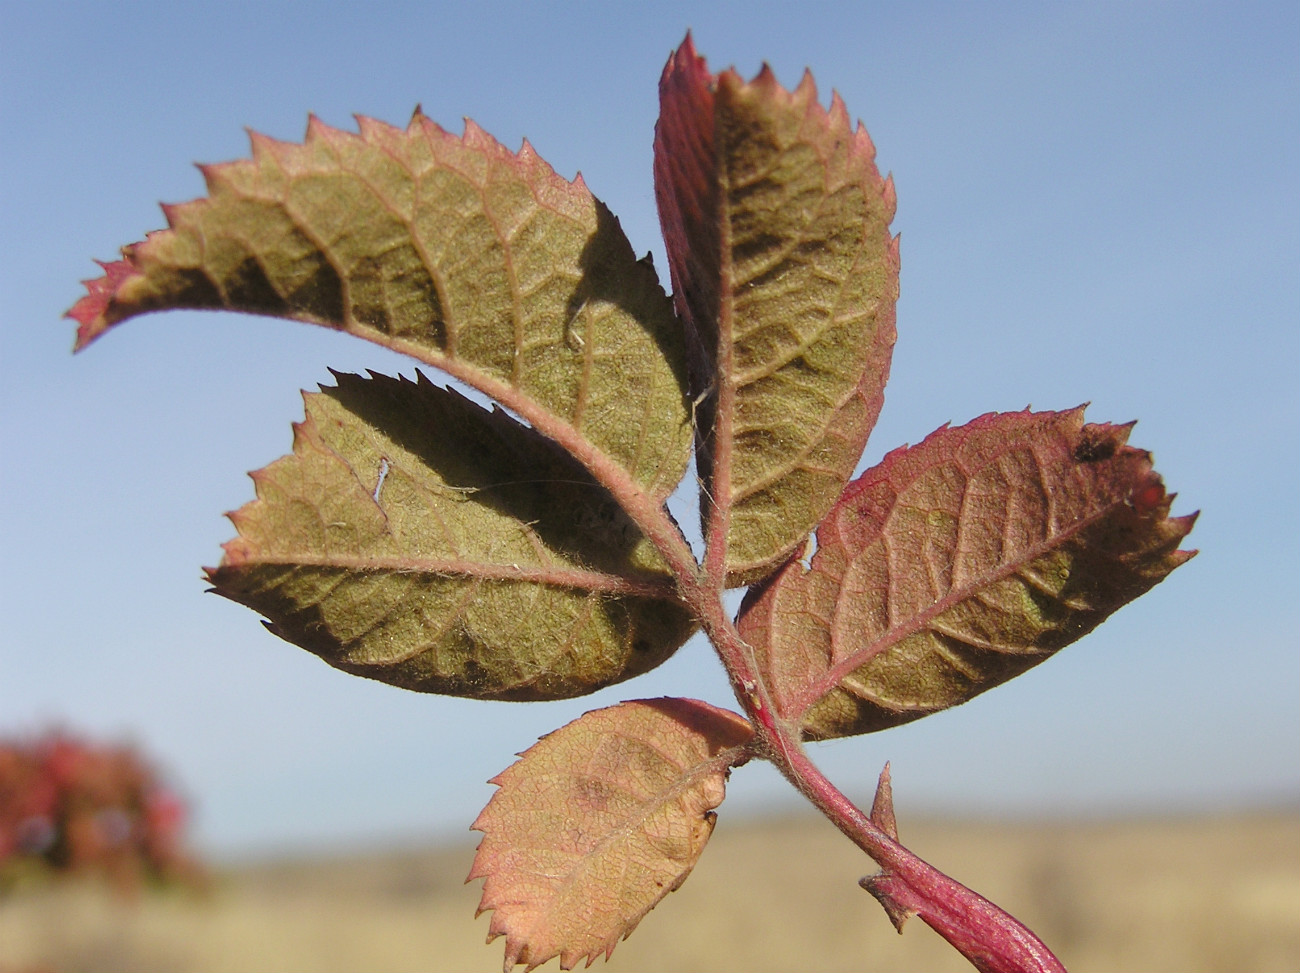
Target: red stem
{"type": "Point", "coordinates": [993, 940]}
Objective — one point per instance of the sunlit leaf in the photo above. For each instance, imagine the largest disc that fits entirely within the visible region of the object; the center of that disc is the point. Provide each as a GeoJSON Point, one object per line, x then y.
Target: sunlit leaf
{"type": "Point", "coordinates": [454, 250]}
{"type": "Point", "coordinates": [600, 820]}
{"type": "Point", "coordinates": [959, 563]}
{"type": "Point", "coordinates": [415, 538]}
{"type": "Point", "coordinates": [777, 228]}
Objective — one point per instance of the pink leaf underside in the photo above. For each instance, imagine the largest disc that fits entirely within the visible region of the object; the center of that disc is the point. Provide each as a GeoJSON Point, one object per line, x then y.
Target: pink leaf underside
{"type": "Point", "coordinates": [473, 259]}
{"type": "Point", "coordinates": [959, 563]}
{"type": "Point", "coordinates": [598, 821]}
{"type": "Point", "coordinates": [776, 222]}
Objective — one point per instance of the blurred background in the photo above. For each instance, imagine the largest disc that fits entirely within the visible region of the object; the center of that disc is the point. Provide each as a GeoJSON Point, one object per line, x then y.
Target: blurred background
{"type": "Point", "coordinates": [1097, 202]}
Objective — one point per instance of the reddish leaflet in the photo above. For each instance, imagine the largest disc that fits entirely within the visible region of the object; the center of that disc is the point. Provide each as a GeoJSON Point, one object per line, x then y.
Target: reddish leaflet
{"type": "Point", "coordinates": [414, 537]}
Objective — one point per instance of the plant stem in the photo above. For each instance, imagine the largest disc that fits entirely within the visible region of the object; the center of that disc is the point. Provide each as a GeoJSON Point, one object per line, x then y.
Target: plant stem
{"type": "Point", "coordinates": [993, 940]}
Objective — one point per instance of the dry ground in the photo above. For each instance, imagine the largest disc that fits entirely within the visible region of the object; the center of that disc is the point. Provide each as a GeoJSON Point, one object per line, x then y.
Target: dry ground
{"type": "Point", "coordinates": [1179, 894]}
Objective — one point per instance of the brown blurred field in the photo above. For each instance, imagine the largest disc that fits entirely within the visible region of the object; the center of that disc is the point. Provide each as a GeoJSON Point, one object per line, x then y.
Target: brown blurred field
{"type": "Point", "coordinates": [1195, 894]}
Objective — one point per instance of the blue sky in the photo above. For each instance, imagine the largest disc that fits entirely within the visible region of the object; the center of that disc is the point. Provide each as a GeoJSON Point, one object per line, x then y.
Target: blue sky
{"type": "Point", "coordinates": [1097, 202]}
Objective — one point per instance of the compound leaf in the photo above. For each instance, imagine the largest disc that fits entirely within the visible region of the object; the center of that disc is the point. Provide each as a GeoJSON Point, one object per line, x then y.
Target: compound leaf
{"type": "Point", "coordinates": [598, 821]}
{"type": "Point", "coordinates": [471, 258]}
{"type": "Point", "coordinates": [776, 223]}
{"type": "Point", "coordinates": [418, 539]}
{"type": "Point", "coordinates": [960, 563]}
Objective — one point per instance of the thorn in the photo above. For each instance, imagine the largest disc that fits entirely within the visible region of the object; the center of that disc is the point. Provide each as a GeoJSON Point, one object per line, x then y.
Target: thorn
{"type": "Point", "coordinates": [878, 886]}
{"type": "Point", "coordinates": [882, 808]}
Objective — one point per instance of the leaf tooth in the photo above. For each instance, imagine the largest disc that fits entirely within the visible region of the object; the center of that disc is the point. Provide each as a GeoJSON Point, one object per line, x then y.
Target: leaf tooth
{"type": "Point", "coordinates": [172, 212]}
{"type": "Point", "coordinates": [373, 129]}
{"type": "Point", "coordinates": [431, 130]}
{"type": "Point", "coordinates": [89, 312]}
{"type": "Point", "coordinates": [839, 117]}
{"type": "Point", "coordinates": [890, 195]}
{"type": "Point", "coordinates": [807, 88]}
{"type": "Point", "coordinates": [262, 146]}
{"type": "Point", "coordinates": [316, 129]}
{"type": "Point", "coordinates": [862, 137]}
{"type": "Point", "coordinates": [477, 137]}
{"type": "Point", "coordinates": [214, 181]}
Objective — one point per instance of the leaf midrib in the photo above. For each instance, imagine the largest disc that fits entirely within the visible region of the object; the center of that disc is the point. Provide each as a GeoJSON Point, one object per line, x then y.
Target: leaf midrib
{"type": "Point", "coordinates": [471, 569]}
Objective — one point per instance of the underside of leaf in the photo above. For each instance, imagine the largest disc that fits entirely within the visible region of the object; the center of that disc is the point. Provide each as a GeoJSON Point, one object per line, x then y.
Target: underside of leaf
{"type": "Point", "coordinates": [454, 250]}
{"type": "Point", "coordinates": [418, 539]}
{"type": "Point", "coordinates": [776, 223]}
{"type": "Point", "coordinates": [959, 563]}
{"type": "Point", "coordinates": [599, 821]}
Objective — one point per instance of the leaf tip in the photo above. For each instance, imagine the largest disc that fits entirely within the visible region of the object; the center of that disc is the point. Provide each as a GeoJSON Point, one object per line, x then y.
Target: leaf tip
{"type": "Point", "coordinates": [686, 52]}
{"type": "Point", "coordinates": [91, 311]}
{"type": "Point", "coordinates": [687, 64]}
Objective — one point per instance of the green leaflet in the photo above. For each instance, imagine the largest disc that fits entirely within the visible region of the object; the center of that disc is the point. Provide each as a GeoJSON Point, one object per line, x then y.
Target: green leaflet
{"type": "Point", "coordinates": [777, 228]}
{"type": "Point", "coordinates": [414, 538]}
{"type": "Point", "coordinates": [468, 257]}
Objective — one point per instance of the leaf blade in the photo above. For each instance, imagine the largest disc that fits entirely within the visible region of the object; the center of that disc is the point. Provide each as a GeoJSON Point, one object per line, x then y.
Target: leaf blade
{"type": "Point", "coordinates": [415, 538]}
{"type": "Point", "coordinates": [958, 564]}
{"type": "Point", "coordinates": [471, 258]}
{"type": "Point", "coordinates": [777, 228]}
{"type": "Point", "coordinates": [600, 820]}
